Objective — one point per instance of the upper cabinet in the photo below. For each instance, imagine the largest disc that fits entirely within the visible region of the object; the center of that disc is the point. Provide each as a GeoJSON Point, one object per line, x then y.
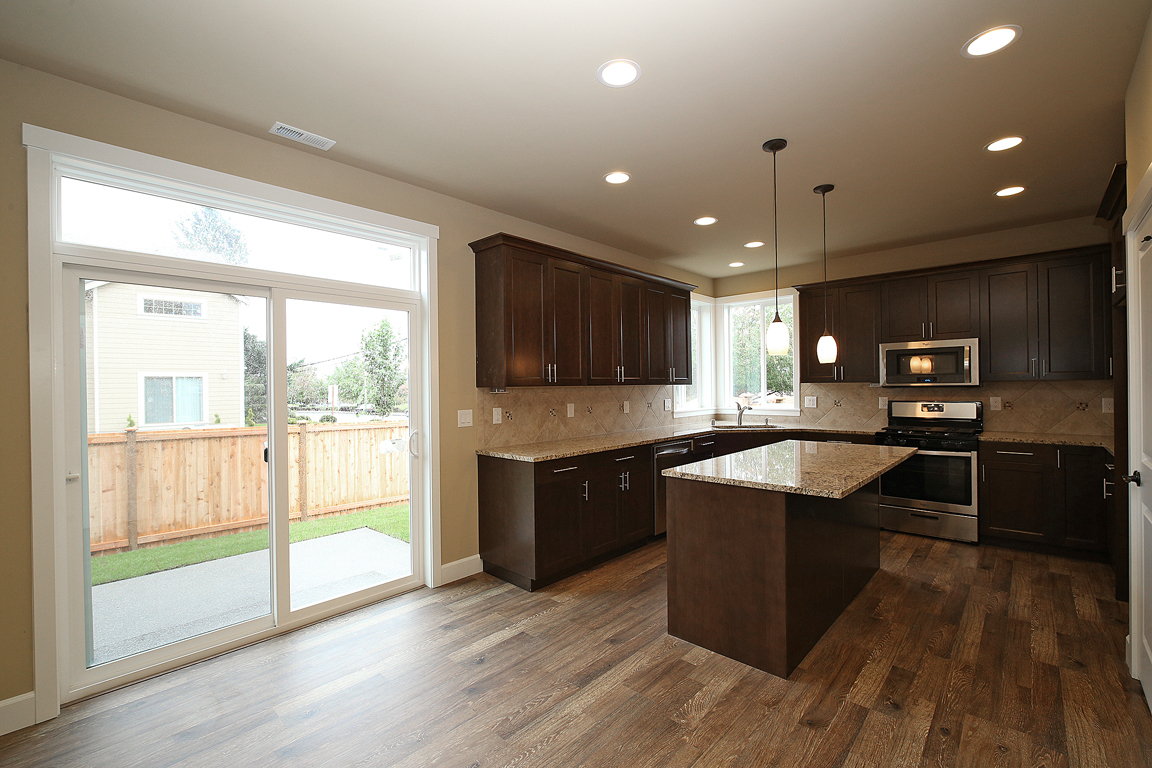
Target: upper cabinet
{"type": "Point", "coordinates": [1044, 316]}
{"type": "Point", "coordinates": [550, 317]}
{"type": "Point", "coordinates": [944, 306]}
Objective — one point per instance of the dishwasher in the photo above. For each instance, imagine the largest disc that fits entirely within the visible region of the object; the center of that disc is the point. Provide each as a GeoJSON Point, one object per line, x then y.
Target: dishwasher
{"type": "Point", "coordinates": [668, 455]}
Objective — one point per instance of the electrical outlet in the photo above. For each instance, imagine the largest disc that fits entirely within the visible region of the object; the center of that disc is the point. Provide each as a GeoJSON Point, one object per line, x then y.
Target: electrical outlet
{"type": "Point", "coordinates": [995, 403]}
{"type": "Point", "coordinates": [571, 410]}
{"type": "Point", "coordinates": [667, 403]}
{"type": "Point", "coordinates": [464, 418]}
{"type": "Point", "coordinates": [625, 405]}
{"type": "Point", "coordinates": [810, 402]}
{"type": "Point", "coordinates": [1107, 405]}
{"type": "Point", "coordinates": [883, 403]}
{"type": "Point", "coordinates": [496, 416]}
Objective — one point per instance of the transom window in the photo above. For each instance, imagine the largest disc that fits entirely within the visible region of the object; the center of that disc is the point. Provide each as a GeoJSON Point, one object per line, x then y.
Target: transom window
{"type": "Point", "coordinates": [172, 307]}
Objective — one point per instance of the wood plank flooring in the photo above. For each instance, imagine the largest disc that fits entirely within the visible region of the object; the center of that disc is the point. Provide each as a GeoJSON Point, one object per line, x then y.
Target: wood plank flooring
{"type": "Point", "coordinates": [953, 655]}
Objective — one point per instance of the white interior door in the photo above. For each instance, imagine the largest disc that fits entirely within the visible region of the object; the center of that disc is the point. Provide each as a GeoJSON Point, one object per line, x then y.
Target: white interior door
{"type": "Point", "coordinates": [1140, 446]}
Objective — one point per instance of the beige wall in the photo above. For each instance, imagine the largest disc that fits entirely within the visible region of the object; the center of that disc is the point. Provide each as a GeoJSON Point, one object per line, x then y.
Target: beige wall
{"type": "Point", "coordinates": [1138, 114]}
{"type": "Point", "coordinates": [1072, 233]}
{"type": "Point", "coordinates": [32, 97]}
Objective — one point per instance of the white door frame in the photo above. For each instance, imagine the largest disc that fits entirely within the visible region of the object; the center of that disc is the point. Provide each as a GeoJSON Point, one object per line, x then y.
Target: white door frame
{"type": "Point", "coordinates": [47, 355]}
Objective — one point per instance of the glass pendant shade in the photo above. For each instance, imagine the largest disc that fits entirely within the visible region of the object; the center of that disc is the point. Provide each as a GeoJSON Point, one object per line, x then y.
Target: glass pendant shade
{"type": "Point", "coordinates": [826, 349]}
{"type": "Point", "coordinates": [776, 340]}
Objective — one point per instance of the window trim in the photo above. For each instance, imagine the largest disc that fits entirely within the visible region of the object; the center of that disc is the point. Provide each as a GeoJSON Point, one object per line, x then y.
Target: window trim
{"type": "Point", "coordinates": [705, 364]}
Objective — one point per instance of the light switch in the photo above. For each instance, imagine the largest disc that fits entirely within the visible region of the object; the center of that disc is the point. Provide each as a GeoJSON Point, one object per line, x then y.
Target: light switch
{"type": "Point", "coordinates": [995, 403]}
{"type": "Point", "coordinates": [626, 404]}
{"type": "Point", "coordinates": [497, 416]}
{"type": "Point", "coordinates": [667, 403]}
{"type": "Point", "coordinates": [810, 402]}
{"type": "Point", "coordinates": [1108, 405]}
{"type": "Point", "coordinates": [883, 403]}
{"type": "Point", "coordinates": [571, 410]}
{"type": "Point", "coordinates": [464, 418]}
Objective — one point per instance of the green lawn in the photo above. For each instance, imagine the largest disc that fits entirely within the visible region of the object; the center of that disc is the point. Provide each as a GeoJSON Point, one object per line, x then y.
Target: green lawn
{"type": "Point", "coordinates": [392, 521]}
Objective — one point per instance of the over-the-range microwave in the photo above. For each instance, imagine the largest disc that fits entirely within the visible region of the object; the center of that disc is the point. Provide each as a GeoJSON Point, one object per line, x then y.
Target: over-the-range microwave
{"type": "Point", "coordinates": [946, 363]}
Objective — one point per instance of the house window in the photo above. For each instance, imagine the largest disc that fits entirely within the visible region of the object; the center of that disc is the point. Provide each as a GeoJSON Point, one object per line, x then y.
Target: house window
{"type": "Point", "coordinates": [754, 377]}
{"type": "Point", "coordinates": [173, 399]}
{"type": "Point", "coordinates": [697, 396]}
{"type": "Point", "coordinates": [175, 308]}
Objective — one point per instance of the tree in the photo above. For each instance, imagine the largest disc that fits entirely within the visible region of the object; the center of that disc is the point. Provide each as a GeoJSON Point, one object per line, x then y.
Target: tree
{"type": "Point", "coordinates": [304, 386]}
{"type": "Point", "coordinates": [350, 377]}
{"type": "Point", "coordinates": [208, 232]}
{"type": "Point", "coordinates": [778, 370]}
{"type": "Point", "coordinates": [255, 378]}
{"type": "Point", "coordinates": [385, 366]}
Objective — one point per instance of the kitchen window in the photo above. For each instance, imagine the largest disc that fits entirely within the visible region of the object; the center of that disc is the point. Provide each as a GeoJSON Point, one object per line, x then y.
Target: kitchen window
{"type": "Point", "coordinates": [697, 396]}
{"type": "Point", "coordinates": [750, 375]}
{"type": "Point", "coordinates": [173, 399]}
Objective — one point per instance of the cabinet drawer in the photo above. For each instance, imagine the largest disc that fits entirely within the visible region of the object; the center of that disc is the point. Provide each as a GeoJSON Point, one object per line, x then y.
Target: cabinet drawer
{"type": "Point", "coordinates": [1019, 453]}
{"type": "Point", "coordinates": [624, 459]}
{"type": "Point", "coordinates": [562, 469]}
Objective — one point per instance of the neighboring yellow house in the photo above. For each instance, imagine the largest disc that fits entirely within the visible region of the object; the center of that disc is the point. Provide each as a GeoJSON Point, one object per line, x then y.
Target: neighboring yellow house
{"type": "Point", "coordinates": [170, 359]}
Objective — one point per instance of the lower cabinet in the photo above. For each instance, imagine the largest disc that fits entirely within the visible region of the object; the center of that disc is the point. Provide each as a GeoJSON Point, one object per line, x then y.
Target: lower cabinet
{"type": "Point", "coordinates": [1045, 495]}
{"type": "Point", "coordinates": [540, 522]}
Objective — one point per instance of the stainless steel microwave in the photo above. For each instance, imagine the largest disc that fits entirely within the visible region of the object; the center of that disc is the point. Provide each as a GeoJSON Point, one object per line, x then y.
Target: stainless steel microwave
{"type": "Point", "coordinates": [947, 363]}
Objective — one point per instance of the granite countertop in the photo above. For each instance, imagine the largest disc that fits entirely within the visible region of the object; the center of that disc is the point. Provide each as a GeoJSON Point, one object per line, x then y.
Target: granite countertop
{"type": "Point", "coordinates": [578, 446]}
{"type": "Point", "coordinates": [730, 426]}
{"type": "Point", "coordinates": [831, 470]}
{"type": "Point", "coordinates": [1044, 438]}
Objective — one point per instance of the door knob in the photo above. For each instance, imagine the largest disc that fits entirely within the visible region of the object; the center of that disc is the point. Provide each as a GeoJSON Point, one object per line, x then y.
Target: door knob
{"type": "Point", "coordinates": [1133, 478]}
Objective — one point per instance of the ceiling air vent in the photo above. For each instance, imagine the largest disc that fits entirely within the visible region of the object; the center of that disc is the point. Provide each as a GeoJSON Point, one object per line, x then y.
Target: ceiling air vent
{"type": "Point", "coordinates": [303, 137]}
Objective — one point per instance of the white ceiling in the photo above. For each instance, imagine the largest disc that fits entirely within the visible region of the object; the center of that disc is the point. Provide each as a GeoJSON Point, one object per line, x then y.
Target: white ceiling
{"type": "Point", "coordinates": [497, 103]}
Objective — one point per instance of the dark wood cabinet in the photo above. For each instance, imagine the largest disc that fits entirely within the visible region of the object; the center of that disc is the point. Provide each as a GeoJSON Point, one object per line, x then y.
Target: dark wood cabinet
{"type": "Point", "coordinates": [854, 321]}
{"type": "Point", "coordinates": [541, 522]}
{"type": "Point", "coordinates": [905, 310]}
{"type": "Point", "coordinates": [943, 306]}
{"type": "Point", "coordinates": [1073, 318]}
{"type": "Point", "coordinates": [545, 316]}
{"type": "Point", "coordinates": [1009, 340]}
{"type": "Point", "coordinates": [1049, 496]}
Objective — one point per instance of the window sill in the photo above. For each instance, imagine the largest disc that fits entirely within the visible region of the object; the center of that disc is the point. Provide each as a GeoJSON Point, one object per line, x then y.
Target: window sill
{"type": "Point", "coordinates": [693, 412]}
{"type": "Point", "coordinates": [790, 412]}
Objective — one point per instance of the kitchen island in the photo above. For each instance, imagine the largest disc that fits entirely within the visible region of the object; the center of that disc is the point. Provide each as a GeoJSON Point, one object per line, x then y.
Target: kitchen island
{"type": "Point", "coordinates": [768, 546]}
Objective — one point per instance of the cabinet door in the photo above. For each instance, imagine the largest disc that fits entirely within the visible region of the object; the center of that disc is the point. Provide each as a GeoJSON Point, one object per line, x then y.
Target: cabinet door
{"type": "Point", "coordinates": [905, 304]}
{"type": "Point", "coordinates": [603, 328]}
{"type": "Point", "coordinates": [1015, 500]}
{"type": "Point", "coordinates": [565, 306]}
{"type": "Point", "coordinates": [631, 330]}
{"type": "Point", "coordinates": [680, 336]}
{"type": "Point", "coordinates": [600, 524]}
{"type": "Point", "coordinates": [1073, 319]}
{"type": "Point", "coordinates": [954, 306]}
{"type": "Point", "coordinates": [1008, 335]}
{"type": "Point", "coordinates": [634, 503]}
{"type": "Point", "coordinates": [858, 333]}
{"type": "Point", "coordinates": [1083, 522]}
{"type": "Point", "coordinates": [657, 364]}
{"type": "Point", "coordinates": [810, 319]}
{"type": "Point", "coordinates": [525, 332]}
{"type": "Point", "coordinates": [559, 540]}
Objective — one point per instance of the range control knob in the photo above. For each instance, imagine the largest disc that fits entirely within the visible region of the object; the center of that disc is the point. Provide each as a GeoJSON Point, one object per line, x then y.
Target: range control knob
{"type": "Point", "coordinates": [923, 443]}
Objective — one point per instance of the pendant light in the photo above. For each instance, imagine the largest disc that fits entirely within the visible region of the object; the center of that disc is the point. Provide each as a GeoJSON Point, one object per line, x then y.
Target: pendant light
{"type": "Point", "coordinates": [826, 347]}
{"type": "Point", "coordinates": [776, 340]}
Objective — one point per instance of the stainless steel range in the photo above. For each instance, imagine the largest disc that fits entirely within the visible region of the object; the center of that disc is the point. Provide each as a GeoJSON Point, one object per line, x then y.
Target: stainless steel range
{"type": "Point", "coordinates": [934, 492]}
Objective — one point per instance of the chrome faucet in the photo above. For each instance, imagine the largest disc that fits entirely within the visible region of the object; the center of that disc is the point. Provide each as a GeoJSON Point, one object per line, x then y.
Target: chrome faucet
{"type": "Point", "coordinates": [740, 413]}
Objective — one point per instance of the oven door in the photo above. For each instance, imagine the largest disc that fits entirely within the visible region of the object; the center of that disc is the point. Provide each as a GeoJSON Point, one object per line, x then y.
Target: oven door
{"type": "Point", "coordinates": [942, 481]}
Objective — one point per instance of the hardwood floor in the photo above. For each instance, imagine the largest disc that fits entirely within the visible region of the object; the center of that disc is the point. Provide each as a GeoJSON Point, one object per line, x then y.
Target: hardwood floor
{"type": "Point", "coordinates": [953, 655]}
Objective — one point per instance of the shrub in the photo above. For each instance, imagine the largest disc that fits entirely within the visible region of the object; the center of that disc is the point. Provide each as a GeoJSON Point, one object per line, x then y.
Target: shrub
{"type": "Point", "coordinates": [327, 419]}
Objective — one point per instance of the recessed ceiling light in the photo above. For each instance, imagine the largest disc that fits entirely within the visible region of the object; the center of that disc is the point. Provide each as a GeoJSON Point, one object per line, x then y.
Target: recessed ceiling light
{"type": "Point", "coordinates": [1009, 191]}
{"type": "Point", "coordinates": [1005, 143]}
{"type": "Point", "coordinates": [736, 264]}
{"type": "Point", "coordinates": [704, 221]}
{"type": "Point", "coordinates": [617, 177]}
{"type": "Point", "coordinates": [753, 244]}
{"type": "Point", "coordinates": [618, 73]}
{"type": "Point", "coordinates": [990, 41]}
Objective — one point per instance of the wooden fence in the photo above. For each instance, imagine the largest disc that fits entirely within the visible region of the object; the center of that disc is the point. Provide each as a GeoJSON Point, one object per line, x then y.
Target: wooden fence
{"type": "Point", "coordinates": [156, 487]}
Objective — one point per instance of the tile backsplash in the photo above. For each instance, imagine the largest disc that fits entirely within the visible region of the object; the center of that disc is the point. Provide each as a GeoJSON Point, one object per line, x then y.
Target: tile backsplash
{"type": "Point", "coordinates": [539, 414]}
{"type": "Point", "coordinates": [1056, 407]}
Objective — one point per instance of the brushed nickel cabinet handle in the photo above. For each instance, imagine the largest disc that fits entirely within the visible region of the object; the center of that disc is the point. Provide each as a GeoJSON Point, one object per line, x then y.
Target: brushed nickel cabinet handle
{"type": "Point", "coordinates": [625, 458]}
{"type": "Point", "coordinates": [566, 469]}
{"type": "Point", "coordinates": [1016, 453]}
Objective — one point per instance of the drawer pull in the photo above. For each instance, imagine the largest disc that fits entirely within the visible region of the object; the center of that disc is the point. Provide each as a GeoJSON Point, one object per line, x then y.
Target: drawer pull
{"type": "Point", "coordinates": [926, 517]}
{"type": "Point", "coordinates": [1016, 453]}
{"type": "Point", "coordinates": [713, 442]}
{"type": "Point", "coordinates": [625, 458]}
{"type": "Point", "coordinates": [566, 469]}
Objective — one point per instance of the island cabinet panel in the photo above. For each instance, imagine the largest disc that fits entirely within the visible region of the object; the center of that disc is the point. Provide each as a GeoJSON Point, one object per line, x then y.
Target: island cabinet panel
{"type": "Point", "coordinates": [540, 522]}
{"type": "Point", "coordinates": [549, 317]}
{"type": "Point", "coordinates": [1046, 497]}
{"type": "Point", "coordinates": [761, 578]}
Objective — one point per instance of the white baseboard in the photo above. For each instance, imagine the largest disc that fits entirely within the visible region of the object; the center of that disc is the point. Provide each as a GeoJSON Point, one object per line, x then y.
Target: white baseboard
{"type": "Point", "coordinates": [450, 572]}
{"type": "Point", "coordinates": [17, 712]}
